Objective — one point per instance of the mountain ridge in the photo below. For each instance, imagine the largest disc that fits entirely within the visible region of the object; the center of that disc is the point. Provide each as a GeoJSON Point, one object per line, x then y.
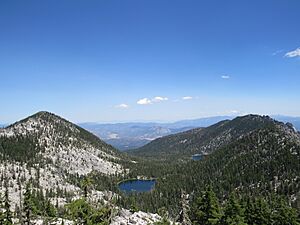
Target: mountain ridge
{"type": "Point", "coordinates": [204, 140]}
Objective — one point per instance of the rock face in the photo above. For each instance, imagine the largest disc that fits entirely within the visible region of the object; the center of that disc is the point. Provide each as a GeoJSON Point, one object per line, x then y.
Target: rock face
{"type": "Point", "coordinates": [60, 142]}
{"type": "Point", "coordinates": [47, 149]}
{"type": "Point", "coordinates": [125, 217]}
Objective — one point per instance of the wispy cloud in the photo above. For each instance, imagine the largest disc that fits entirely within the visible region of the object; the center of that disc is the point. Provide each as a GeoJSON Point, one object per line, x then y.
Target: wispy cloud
{"type": "Point", "coordinates": [277, 52]}
{"type": "Point", "coordinates": [293, 53]}
{"type": "Point", "coordinates": [225, 77]}
{"type": "Point", "coordinates": [122, 106]}
{"type": "Point", "coordinates": [148, 101]}
{"type": "Point", "coordinates": [187, 98]}
{"type": "Point", "coordinates": [234, 112]}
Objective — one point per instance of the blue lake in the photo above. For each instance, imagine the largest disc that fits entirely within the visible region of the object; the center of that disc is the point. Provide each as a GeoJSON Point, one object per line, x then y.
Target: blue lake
{"type": "Point", "coordinates": [196, 157]}
{"type": "Point", "coordinates": [137, 186]}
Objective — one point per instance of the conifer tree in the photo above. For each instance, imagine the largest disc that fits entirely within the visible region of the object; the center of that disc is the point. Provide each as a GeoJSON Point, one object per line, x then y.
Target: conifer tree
{"type": "Point", "coordinates": [283, 214]}
{"type": "Point", "coordinates": [27, 206]}
{"type": "Point", "coordinates": [86, 184]}
{"type": "Point", "coordinates": [7, 213]}
{"type": "Point", "coordinates": [184, 213]}
{"type": "Point", "coordinates": [206, 210]}
{"type": "Point", "coordinates": [233, 212]}
{"type": "Point", "coordinates": [258, 212]}
{"type": "Point", "coordinates": [49, 209]}
{"type": "Point", "coordinates": [2, 215]}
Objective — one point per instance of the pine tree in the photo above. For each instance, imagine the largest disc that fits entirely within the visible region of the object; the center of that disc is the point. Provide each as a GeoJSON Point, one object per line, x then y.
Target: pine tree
{"type": "Point", "coordinates": [7, 213]}
{"type": "Point", "coordinates": [283, 214]}
{"type": "Point", "coordinates": [86, 184]}
{"type": "Point", "coordinates": [79, 210]}
{"type": "Point", "coordinates": [27, 206]}
{"type": "Point", "coordinates": [2, 214]}
{"type": "Point", "coordinates": [258, 212]}
{"type": "Point", "coordinates": [206, 209]}
{"type": "Point", "coordinates": [233, 212]}
{"type": "Point", "coordinates": [49, 209]}
{"type": "Point", "coordinates": [184, 213]}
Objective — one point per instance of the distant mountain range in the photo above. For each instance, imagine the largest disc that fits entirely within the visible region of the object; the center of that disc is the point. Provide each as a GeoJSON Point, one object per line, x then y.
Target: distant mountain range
{"type": "Point", "coordinates": [125, 136]}
{"type": "Point", "coordinates": [131, 135]}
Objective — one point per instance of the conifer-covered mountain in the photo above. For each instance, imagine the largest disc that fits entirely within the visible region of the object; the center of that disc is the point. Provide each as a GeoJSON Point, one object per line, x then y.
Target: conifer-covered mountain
{"type": "Point", "coordinates": [250, 155]}
{"type": "Point", "coordinates": [52, 168]}
{"type": "Point", "coordinates": [49, 151]}
{"type": "Point", "coordinates": [206, 140]}
{"type": "Point", "coordinates": [45, 137]}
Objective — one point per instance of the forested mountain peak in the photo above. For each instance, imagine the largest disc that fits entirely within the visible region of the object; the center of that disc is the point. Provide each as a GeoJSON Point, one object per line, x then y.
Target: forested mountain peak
{"type": "Point", "coordinates": [207, 140]}
{"type": "Point", "coordinates": [53, 160]}
{"type": "Point", "coordinates": [46, 135]}
{"type": "Point", "coordinates": [50, 149]}
{"type": "Point", "coordinates": [50, 126]}
{"type": "Point", "coordinates": [250, 155]}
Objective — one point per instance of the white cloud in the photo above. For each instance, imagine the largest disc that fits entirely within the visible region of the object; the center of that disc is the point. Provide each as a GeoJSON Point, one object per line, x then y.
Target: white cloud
{"type": "Point", "coordinates": [122, 106]}
{"type": "Point", "coordinates": [159, 99]}
{"type": "Point", "coordinates": [144, 101]}
{"type": "Point", "coordinates": [187, 98]}
{"type": "Point", "coordinates": [294, 53]}
{"type": "Point", "coordinates": [225, 77]}
{"type": "Point", "coordinates": [147, 101]}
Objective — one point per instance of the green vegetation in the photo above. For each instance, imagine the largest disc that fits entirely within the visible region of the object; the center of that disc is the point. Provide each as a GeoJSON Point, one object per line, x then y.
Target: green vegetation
{"type": "Point", "coordinates": [5, 212]}
{"type": "Point", "coordinates": [82, 212]}
{"type": "Point", "coordinates": [250, 176]}
{"type": "Point", "coordinates": [261, 163]}
{"type": "Point", "coordinates": [206, 210]}
{"type": "Point", "coordinates": [183, 145]}
{"type": "Point", "coordinates": [36, 205]}
{"type": "Point", "coordinates": [24, 148]}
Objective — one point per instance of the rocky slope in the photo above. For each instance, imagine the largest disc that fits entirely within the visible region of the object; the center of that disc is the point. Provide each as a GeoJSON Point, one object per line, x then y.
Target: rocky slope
{"type": "Point", "coordinates": [45, 137]}
{"type": "Point", "coordinates": [48, 149]}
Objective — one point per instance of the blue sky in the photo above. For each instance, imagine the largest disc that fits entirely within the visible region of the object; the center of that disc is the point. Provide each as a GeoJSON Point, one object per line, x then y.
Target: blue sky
{"type": "Point", "coordinates": [141, 60]}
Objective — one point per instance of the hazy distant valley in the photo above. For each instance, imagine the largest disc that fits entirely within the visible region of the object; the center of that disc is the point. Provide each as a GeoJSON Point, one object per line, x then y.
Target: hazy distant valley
{"type": "Point", "coordinates": [125, 136]}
